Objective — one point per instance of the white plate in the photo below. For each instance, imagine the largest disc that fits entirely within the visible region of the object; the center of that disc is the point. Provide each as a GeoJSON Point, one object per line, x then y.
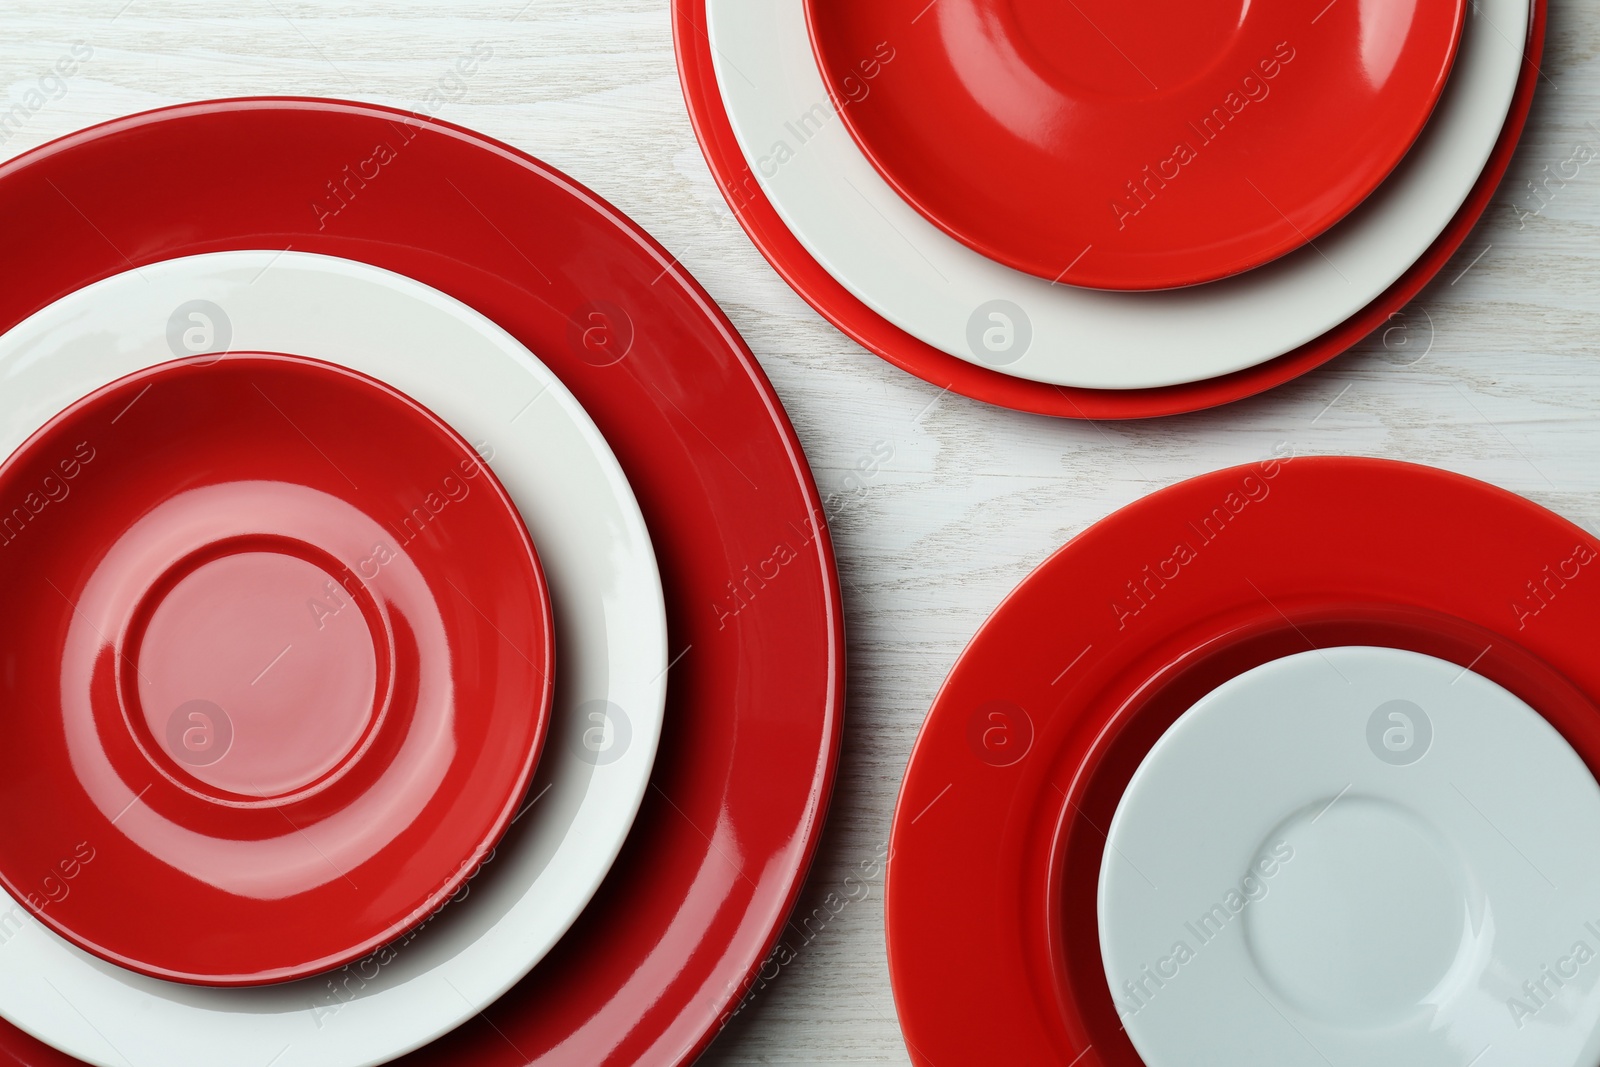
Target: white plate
{"type": "Point", "coordinates": [940, 291]}
{"type": "Point", "coordinates": [1358, 855]}
{"type": "Point", "coordinates": [610, 646]}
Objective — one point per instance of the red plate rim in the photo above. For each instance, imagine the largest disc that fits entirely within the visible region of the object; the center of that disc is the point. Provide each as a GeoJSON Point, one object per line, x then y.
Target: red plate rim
{"type": "Point", "coordinates": [995, 852]}
{"type": "Point", "coordinates": [856, 320]}
{"type": "Point", "coordinates": [663, 412]}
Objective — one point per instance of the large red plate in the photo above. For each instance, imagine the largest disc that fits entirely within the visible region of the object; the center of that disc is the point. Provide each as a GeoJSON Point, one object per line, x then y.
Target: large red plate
{"type": "Point", "coordinates": [727, 830]}
{"type": "Point", "coordinates": [1135, 146]}
{"type": "Point", "coordinates": [999, 829]}
{"type": "Point", "coordinates": [867, 328]}
{"type": "Point", "coordinates": [229, 666]}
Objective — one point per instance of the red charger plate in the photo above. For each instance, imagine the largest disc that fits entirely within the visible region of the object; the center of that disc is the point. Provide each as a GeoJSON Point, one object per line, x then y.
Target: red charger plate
{"type": "Point", "coordinates": [1135, 146]}
{"type": "Point", "coordinates": [875, 333]}
{"type": "Point", "coordinates": [233, 651]}
{"type": "Point", "coordinates": [1000, 826]}
{"type": "Point", "coordinates": [720, 847]}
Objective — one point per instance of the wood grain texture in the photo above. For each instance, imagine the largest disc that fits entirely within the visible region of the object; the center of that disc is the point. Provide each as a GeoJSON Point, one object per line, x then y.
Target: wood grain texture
{"type": "Point", "coordinates": [1498, 377]}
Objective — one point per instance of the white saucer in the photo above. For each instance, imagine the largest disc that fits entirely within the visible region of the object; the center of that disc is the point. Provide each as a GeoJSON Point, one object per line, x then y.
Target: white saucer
{"type": "Point", "coordinates": [1357, 856]}
{"type": "Point", "coordinates": [610, 641]}
{"type": "Point", "coordinates": [942, 292]}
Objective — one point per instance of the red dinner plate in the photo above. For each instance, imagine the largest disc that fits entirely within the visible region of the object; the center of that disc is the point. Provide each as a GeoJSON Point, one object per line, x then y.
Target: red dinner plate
{"type": "Point", "coordinates": [1135, 146]}
{"type": "Point", "coordinates": [726, 832]}
{"type": "Point", "coordinates": [881, 337]}
{"type": "Point", "coordinates": [1000, 826]}
{"type": "Point", "coordinates": [255, 674]}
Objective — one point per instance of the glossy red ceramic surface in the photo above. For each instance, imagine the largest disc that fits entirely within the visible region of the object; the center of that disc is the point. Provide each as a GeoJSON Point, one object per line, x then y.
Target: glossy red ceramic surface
{"type": "Point", "coordinates": [678, 932]}
{"type": "Point", "coordinates": [279, 657]}
{"type": "Point", "coordinates": [1134, 146]}
{"type": "Point", "coordinates": [1000, 826]}
{"type": "Point", "coordinates": [869, 329]}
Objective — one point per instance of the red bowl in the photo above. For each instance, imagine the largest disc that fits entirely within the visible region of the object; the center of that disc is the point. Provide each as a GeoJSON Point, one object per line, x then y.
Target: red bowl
{"type": "Point", "coordinates": [277, 669]}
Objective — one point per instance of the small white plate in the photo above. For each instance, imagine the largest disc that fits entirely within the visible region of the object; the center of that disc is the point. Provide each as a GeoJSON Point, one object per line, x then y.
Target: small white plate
{"type": "Point", "coordinates": [953, 298]}
{"type": "Point", "coordinates": [610, 653]}
{"type": "Point", "coordinates": [1357, 855]}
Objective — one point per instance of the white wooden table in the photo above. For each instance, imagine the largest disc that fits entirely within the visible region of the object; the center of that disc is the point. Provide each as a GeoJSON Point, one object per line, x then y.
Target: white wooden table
{"type": "Point", "coordinates": [1504, 385]}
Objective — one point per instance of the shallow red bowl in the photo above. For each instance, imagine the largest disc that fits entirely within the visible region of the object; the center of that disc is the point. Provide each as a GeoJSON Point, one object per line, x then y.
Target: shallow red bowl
{"type": "Point", "coordinates": [1001, 823]}
{"type": "Point", "coordinates": [1134, 145]}
{"type": "Point", "coordinates": [277, 668]}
